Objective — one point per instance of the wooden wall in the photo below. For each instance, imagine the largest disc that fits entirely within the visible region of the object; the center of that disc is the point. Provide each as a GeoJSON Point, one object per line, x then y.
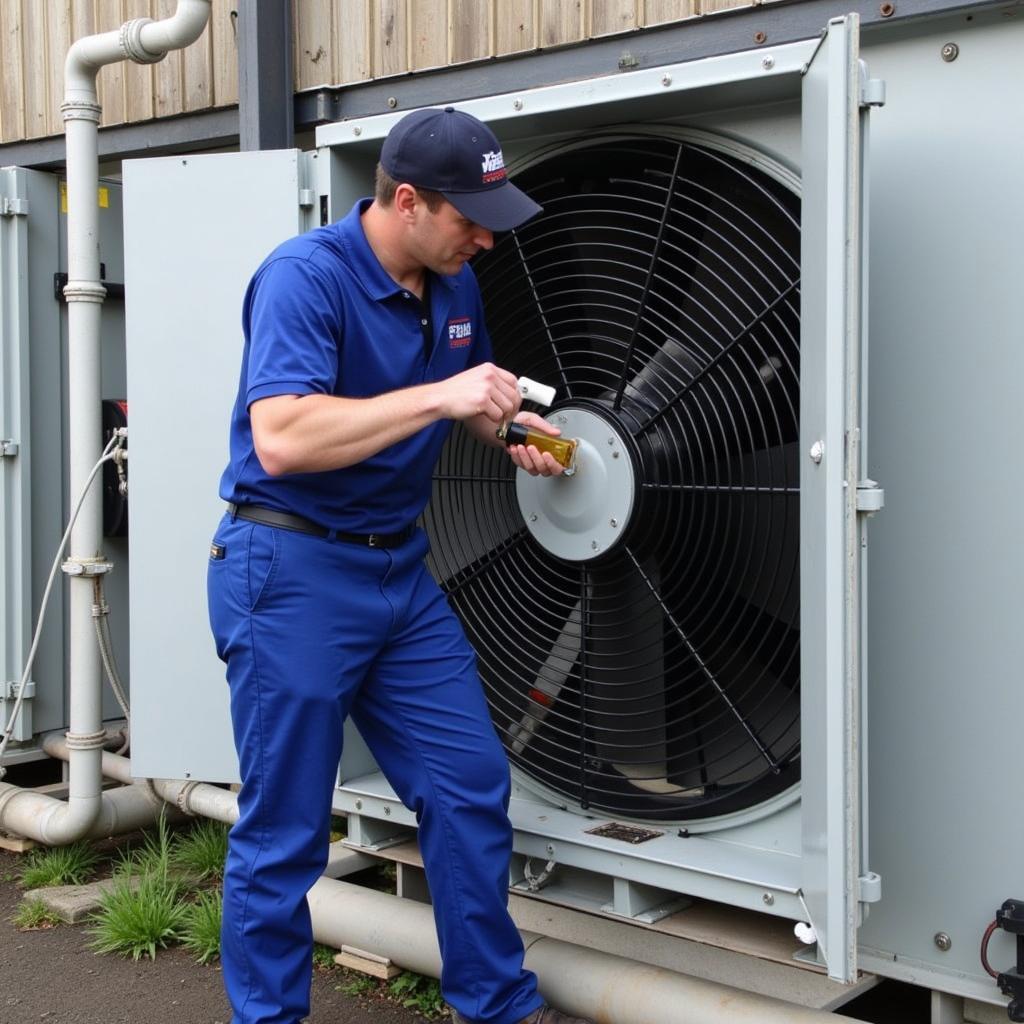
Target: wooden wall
{"type": "Point", "coordinates": [336, 42]}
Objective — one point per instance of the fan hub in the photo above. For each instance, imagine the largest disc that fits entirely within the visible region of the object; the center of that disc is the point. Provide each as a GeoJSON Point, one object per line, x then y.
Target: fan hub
{"type": "Point", "coordinates": [581, 516]}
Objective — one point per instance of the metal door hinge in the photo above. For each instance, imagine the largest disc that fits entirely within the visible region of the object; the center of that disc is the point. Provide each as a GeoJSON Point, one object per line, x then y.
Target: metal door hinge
{"type": "Point", "coordinates": [870, 497]}
{"type": "Point", "coordinates": [307, 198]}
{"type": "Point", "coordinates": [16, 207]}
{"type": "Point", "coordinates": [869, 888]}
{"type": "Point", "coordinates": [8, 449]}
{"type": "Point", "coordinates": [10, 689]}
{"type": "Point", "coordinates": [872, 90]}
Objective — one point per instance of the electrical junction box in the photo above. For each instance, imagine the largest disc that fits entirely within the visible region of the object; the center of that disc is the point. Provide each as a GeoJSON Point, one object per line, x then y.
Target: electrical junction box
{"type": "Point", "coordinates": [695, 715]}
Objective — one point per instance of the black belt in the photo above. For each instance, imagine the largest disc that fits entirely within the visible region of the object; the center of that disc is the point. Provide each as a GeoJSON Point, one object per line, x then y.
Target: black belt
{"type": "Point", "coordinates": [287, 521]}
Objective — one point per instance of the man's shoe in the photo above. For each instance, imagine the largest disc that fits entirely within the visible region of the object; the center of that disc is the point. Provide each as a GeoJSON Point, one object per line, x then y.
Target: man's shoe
{"type": "Point", "coordinates": [543, 1015]}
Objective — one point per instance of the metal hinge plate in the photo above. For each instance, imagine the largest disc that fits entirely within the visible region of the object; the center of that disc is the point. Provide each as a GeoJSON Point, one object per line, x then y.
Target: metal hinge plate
{"type": "Point", "coordinates": [8, 449]}
{"type": "Point", "coordinates": [870, 497]}
{"type": "Point", "coordinates": [869, 888]}
{"type": "Point", "coordinates": [16, 207]}
{"type": "Point", "coordinates": [307, 198]}
{"type": "Point", "coordinates": [872, 90]}
{"type": "Point", "coordinates": [10, 689]}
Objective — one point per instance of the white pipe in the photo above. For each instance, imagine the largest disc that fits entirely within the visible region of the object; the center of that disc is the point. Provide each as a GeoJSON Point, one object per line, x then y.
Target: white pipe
{"type": "Point", "coordinates": [608, 989]}
{"type": "Point", "coordinates": [144, 41]}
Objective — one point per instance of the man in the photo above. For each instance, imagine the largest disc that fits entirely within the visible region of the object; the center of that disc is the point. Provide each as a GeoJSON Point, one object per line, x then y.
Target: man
{"type": "Point", "coordinates": [364, 340]}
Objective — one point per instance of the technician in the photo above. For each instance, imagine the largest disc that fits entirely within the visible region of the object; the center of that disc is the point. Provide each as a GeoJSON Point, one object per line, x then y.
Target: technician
{"type": "Point", "coordinates": [364, 341]}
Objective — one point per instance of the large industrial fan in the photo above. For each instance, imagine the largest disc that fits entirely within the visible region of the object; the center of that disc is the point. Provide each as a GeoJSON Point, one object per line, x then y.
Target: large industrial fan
{"type": "Point", "coordinates": [637, 623]}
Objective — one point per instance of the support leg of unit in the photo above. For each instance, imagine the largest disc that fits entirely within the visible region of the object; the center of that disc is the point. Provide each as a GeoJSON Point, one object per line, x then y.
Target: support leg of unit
{"type": "Point", "coordinates": [947, 1009]}
{"type": "Point", "coordinates": [372, 834]}
{"type": "Point", "coordinates": [643, 902]}
{"type": "Point", "coordinates": [412, 883]}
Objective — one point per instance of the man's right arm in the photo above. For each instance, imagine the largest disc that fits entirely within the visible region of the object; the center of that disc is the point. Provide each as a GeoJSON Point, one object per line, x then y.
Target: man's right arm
{"type": "Point", "coordinates": [317, 432]}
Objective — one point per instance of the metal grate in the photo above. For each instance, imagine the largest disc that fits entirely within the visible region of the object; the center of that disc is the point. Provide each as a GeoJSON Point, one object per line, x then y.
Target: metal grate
{"type": "Point", "coordinates": [660, 680]}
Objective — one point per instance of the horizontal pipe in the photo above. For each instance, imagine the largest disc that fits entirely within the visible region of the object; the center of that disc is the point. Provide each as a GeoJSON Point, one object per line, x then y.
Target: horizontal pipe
{"type": "Point", "coordinates": [606, 988]}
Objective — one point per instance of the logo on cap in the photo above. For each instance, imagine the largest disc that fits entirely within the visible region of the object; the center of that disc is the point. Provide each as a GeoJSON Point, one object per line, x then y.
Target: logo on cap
{"type": "Point", "coordinates": [493, 167]}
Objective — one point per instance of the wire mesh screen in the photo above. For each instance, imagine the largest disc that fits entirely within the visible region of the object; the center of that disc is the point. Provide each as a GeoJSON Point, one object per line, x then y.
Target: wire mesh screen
{"type": "Point", "coordinates": [660, 289]}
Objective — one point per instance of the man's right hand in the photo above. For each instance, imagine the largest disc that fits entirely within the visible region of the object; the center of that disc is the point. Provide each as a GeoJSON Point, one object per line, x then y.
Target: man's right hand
{"type": "Point", "coordinates": [484, 390]}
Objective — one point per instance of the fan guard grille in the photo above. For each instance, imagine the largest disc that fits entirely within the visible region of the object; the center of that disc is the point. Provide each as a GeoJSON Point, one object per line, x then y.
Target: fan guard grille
{"type": "Point", "coordinates": [660, 680]}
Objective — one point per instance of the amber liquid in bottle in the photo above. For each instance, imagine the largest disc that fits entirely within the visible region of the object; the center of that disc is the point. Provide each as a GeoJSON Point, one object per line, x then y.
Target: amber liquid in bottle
{"type": "Point", "coordinates": [563, 450]}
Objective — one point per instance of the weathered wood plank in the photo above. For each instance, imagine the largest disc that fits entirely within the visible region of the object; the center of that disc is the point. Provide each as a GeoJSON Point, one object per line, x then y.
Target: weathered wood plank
{"type": "Point", "coordinates": [516, 26]}
{"type": "Point", "coordinates": [224, 31]}
{"type": "Point", "coordinates": [314, 43]}
{"type": "Point", "coordinates": [710, 6]}
{"type": "Point", "coordinates": [428, 34]}
{"type": "Point", "coordinates": [33, 49]}
{"type": "Point", "coordinates": [107, 16]}
{"type": "Point", "coordinates": [353, 45]}
{"type": "Point", "coordinates": [390, 38]}
{"type": "Point", "coordinates": [168, 79]}
{"type": "Point", "coordinates": [138, 78]}
{"type": "Point", "coordinates": [197, 72]}
{"type": "Point", "coordinates": [657, 12]}
{"type": "Point", "coordinates": [12, 106]}
{"type": "Point", "coordinates": [58, 42]}
{"type": "Point", "coordinates": [608, 16]}
{"type": "Point", "coordinates": [561, 21]}
{"type": "Point", "coordinates": [470, 28]}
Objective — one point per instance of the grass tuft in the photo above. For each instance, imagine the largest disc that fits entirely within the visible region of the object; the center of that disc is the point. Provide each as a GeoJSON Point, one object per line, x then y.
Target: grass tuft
{"type": "Point", "coordinates": [64, 865]}
{"type": "Point", "coordinates": [33, 915]}
{"type": "Point", "coordinates": [421, 994]}
{"type": "Point", "coordinates": [358, 985]}
{"type": "Point", "coordinates": [202, 851]}
{"type": "Point", "coordinates": [200, 932]}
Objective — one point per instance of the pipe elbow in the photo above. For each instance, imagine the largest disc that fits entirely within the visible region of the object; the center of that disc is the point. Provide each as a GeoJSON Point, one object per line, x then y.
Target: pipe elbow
{"type": "Point", "coordinates": [181, 29]}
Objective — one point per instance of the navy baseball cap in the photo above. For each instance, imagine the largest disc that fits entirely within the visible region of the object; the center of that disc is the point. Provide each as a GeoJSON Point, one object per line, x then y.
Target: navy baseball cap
{"type": "Point", "coordinates": [451, 152]}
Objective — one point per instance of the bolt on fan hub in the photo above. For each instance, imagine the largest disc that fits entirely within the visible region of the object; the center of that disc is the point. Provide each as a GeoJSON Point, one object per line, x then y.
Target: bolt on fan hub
{"type": "Point", "coordinates": [583, 515]}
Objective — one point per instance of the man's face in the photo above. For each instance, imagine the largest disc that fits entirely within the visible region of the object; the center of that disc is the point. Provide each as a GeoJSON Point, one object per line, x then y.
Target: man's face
{"type": "Point", "coordinates": [444, 240]}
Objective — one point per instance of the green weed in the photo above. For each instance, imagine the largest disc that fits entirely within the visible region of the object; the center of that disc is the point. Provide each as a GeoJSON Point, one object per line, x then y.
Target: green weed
{"type": "Point", "coordinates": [63, 865]}
{"type": "Point", "coordinates": [34, 914]}
{"type": "Point", "coordinates": [200, 931]}
{"type": "Point", "coordinates": [323, 957]}
{"type": "Point", "coordinates": [418, 993]}
{"type": "Point", "coordinates": [358, 985]}
{"type": "Point", "coordinates": [202, 851]}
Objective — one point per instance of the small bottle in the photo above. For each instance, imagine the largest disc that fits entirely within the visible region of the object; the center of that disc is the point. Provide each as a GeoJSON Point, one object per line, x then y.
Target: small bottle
{"type": "Point", "coordinates": [562, 449]}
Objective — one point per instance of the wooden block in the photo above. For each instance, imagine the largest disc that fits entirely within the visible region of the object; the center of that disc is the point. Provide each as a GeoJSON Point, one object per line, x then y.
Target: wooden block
{"type": "Point", "coordinates": [16, 844]}
{"type": "Point", "coordinates": [367, 963]}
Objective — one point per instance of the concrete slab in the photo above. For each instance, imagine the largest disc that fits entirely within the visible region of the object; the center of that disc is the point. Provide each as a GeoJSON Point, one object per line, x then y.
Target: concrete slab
{"type": "Point", "coordinates": [73, 903]}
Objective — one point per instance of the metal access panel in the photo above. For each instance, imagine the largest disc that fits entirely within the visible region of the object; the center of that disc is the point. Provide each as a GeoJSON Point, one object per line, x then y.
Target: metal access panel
{"type": "Point", "coordinates": [195, 230]}
{"type": "Point", "coordinates": [807, 105]}
{"type": "Point", "coordinates": [33, 377]}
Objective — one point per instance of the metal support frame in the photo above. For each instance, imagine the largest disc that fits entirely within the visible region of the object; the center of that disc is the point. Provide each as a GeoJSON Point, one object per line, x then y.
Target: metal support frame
{"type": "Point", "coordinates": [265, 107]}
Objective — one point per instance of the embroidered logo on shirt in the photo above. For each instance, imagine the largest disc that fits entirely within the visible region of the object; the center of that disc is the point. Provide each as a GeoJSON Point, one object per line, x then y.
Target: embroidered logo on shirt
{"type": "Point", "coordinates": [460, 332]}
{"type": "Point", "coordinates": [493, 167]}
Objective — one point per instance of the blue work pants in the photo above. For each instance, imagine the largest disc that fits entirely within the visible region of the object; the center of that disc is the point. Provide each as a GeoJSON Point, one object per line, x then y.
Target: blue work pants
{"type": "Point", "coordinates": [313, 630]}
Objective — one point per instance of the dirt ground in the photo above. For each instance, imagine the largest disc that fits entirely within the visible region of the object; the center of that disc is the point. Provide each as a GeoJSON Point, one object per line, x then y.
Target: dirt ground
{"type": "Point", "coordinates": [51, 975]}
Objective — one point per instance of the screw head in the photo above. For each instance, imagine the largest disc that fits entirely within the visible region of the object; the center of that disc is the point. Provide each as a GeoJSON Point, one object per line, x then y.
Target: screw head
{"type": "Point", "coordinates": [760, 37]}
{"type": "Point", "coordinates": [950, 52]}
{"type": "Point", "coordinates": [887, 10]}
{"type": "Point", "coordinates": [611, 440]}
{"type": "Point", "coordinates": [666, 79]}
{"type": "Point", "coordinates": [613, 521]}
{"type": "Point", "coordinates": [357, 130]}
{"type": "Point", "coordinates": [517, 104]}
{"type": "Point", "coordinates": [392, 102]}
{"type": "Point", "coordinates": [387, 812]}
{"type": "Point", "coordinates": [615, 455]}
{"type": "Point", "coordinates": [817, 452]}
{"type": "Point", "coordinates": [550, 848]}
{"type": "Point", "coordinates": [767, 899]}
{"type": "Point", "coordinates": [768, 63]}
{"type": "Point", "coordinates": [359, 805]}
{"type": "Point", "coordinates": [943, 941]}
{"type": "Point", "coordinates": [533, 517]}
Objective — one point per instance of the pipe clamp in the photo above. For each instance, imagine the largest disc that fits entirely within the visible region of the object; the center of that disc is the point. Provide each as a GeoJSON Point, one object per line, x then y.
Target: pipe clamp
{"type": "Point", "coordinates": [129, 38]}
{"type": "Point", "coordinates": [86, 740]}
{"type": "Point", "coordinates": [183, 797]}
{"type": "Point", "coordinates": [86, 567]}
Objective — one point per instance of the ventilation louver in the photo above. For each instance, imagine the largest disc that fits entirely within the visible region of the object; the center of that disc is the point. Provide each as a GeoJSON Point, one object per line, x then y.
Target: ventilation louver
{"type": "Point", "coordinates": [640, 648]}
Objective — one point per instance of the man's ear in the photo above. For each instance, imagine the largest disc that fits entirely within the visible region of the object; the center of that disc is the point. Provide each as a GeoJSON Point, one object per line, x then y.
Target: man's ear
{"type": "Point", "coordinates": [406, 200]}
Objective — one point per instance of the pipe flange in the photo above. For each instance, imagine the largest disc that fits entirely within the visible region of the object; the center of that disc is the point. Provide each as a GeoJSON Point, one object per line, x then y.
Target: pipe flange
{"type": "Point", "coordinates": [129, 38]}
{"type": "Point", "coordinates": [86, 740]}
{"type": "Point", "coordinates": [81, 110]}
{"type": "Point", "coordinates": [84, 291]}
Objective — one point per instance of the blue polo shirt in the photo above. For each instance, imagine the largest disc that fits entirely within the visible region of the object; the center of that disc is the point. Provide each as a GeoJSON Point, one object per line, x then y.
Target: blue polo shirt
{"type": "Point", "coordinates": [322, 316]}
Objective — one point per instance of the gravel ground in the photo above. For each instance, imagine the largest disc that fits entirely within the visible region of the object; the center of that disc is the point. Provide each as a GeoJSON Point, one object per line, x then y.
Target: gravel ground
{"type": "Point", "coordinates": [51, 975]}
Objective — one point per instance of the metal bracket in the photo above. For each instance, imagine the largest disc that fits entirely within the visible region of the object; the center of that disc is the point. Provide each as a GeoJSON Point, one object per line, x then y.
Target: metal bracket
{"type": "Point", "coordinates": [16, 207]}
{"type": "Point", "coordinates": [307, 198]}
{"type": "Point", "coordinates": [872, 90]}
{"type": "Point", "coordinates": [1010, 917]}
{"type": "Point", "coordinates": [870, 497]}
{"type": "Point", "coordinates": [11, 688]}
{"type": "Point", "coordinates": [8, 449]}
{"type": "Point", "coordinates": [869, 888]}
{"type": "Point", "coordinates": [83, 567]}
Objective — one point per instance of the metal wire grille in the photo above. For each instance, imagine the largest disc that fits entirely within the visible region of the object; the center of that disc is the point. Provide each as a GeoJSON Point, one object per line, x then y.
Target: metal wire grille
{"type": "Point", "coordinates": [660, 287]}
